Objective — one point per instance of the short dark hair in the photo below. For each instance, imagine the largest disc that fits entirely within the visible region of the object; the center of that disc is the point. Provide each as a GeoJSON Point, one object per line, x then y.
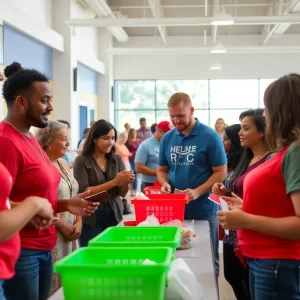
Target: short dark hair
{"type": "Point", "coordinates": [100, 128]}
{"type": "Point", "coordinates": [20, 81]}
{"type": "Point", "coordinates": [64, 122]}
{"type": "Point", "coordinates": [142, 120]}
{"type": "Point", "coordinates": [153, 128]}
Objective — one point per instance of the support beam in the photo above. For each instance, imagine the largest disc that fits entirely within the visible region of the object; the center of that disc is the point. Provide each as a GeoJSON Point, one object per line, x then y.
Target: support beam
{"type": "Point", "coordinates": [280, 29]}
{"type": "Point", "coordinates": [153, 22]}
{"type": "Point", "coordinates": [158, 12]}
{"type": "Point", "coordinates": [214, 30]}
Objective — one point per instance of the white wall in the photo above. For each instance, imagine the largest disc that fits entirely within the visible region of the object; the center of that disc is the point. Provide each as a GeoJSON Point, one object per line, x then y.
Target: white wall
{"type": "Point", "coordinates": [40, 10]}
{"type": "Point", "coordinates": [197, 66]}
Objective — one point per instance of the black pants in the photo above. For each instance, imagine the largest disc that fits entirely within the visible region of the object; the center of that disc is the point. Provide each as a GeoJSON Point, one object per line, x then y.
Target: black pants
{"type": "Point", "coordinates": [236, 274]}
{"type": "Point", "coordinates": [105, 219]}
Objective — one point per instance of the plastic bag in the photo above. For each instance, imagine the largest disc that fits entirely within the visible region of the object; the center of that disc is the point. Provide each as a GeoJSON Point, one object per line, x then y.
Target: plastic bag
{"type": "Point", "coordinates": [141, 196]}
{"type": "Point", "coordinates": [188, 234]}
{"type": "Point", "coordinates": [150, 221]}
{"type": "Point", "coordinates": [183, 284]}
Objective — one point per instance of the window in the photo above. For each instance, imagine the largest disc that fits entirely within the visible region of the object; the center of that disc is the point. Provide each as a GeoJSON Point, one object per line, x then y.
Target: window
{"type": "Point", "coordinates": [212, 99]}
{"type": "Point", "coordinates": [263, 84]}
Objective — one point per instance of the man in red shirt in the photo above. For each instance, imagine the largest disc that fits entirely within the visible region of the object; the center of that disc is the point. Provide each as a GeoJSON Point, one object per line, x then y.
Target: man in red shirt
{"type": "Point", "coordinates": [28, 97]}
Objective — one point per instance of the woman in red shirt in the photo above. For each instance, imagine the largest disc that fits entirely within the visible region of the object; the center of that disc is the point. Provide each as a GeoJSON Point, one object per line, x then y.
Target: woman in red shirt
{"type": "Point", "coordinates": [269, 221]}
{"type": "Point", "coordinates": [28, 97]}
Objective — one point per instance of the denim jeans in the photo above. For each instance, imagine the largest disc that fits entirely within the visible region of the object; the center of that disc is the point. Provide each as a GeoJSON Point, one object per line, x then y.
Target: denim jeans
{"type": "Point", "coordinates": [274, 279]}
{"type": "Point", "coordinates": [32, 280]}
{"type": "Point", "coordinates": [214, 238]}
{"type": "Point", "coordinates": [1, 290]}
{"type": "Point", "coordinates": [135, 182]}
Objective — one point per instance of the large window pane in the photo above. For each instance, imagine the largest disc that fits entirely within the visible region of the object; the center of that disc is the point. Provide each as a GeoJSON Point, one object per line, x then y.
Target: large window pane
{"type": "Point", "coordinates": [132, 117]}
{"type": "Point", "coordinates": [230, 116]}
{"type": "Point", "coordinates": [138, 94]}
{"type": "Point", "coordinates": [196, 89]}
{"type": "Point", "coordinates": [234, 93]}
{"type": "Point", "coordinates": [263, 84]}
{"type": "Point", "coordinates": [202, 116]}
{"type": "Point", "coordinates": [162, 115]}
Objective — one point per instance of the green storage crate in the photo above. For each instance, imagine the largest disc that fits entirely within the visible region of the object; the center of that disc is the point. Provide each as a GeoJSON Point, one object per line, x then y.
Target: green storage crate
{"type": "Point", "coordinates": [156, 236]}
{"type": "Point", "coordinates": [114, 273]}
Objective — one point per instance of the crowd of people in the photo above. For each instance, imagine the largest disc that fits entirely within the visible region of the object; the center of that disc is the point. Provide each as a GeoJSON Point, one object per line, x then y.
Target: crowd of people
{"type": "Point", "coordinates": [45, 213]}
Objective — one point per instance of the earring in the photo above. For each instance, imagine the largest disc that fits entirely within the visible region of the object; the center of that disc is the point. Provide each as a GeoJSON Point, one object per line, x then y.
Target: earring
{"type": "Point", "coordinates": [49, 147]}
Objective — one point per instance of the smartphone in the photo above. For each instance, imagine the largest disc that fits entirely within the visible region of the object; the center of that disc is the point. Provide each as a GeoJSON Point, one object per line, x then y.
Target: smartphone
{"type": "Point", "coordinates": [98, 197]}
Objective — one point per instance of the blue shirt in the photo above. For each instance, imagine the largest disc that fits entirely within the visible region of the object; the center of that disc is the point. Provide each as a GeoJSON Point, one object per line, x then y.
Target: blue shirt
{"type": "Point", "coordinates": [147, 154]}
{"type": "Point", "coordinates": [190, 160]}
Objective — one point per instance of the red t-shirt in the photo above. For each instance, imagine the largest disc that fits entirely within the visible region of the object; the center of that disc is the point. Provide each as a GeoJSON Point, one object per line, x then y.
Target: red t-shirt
{"type": "Point", "coordinates": [32, 175]}
{"type": "Point", "coordinates": [10, 249]}
{"type": "Point", "coordinates": [265, 194]}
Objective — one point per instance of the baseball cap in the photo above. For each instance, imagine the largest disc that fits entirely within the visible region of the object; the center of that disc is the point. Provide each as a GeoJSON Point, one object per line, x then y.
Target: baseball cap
{"type": "Point", "coordinates": [164, 126]}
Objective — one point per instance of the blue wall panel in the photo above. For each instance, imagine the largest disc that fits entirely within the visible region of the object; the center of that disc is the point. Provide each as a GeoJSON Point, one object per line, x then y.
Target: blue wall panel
{"type": "Point", "coordinates": [29, 52]}
{"type": "Point", "coordinates": [87, 80]}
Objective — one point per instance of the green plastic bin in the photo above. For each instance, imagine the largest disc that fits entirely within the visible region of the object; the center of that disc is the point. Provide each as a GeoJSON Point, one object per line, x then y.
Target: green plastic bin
{"type": "Point", "coordinates": [114, 273]}
{"type": "Point", "coordinates": [156, 236]}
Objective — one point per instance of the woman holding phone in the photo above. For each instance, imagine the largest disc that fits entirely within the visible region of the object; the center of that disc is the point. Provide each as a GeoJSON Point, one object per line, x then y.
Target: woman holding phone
{"type": "Point", "coordinates": [54, 139]}
{"type": "Point", "coordinates": [100, 169]}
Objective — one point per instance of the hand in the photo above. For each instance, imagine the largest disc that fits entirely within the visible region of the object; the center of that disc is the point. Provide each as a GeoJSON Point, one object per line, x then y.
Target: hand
{"type": "Point", "coordinates": [65, 228]}
{"type": "Point", "coordinates": [122, 177]}
{"type": "Point", "coordinates": [219, 189]}
{"type": "Point", "coordinates": [44, 216]}
{"type": "Point", "coordinates": [77, 231]}
{"type": "Point", "coordinates": [78, 206]}
{"type": "Point", "coordinates": [166, 188]}
{"type": "Point", "coordinates": [193, 194]}
{"type": "Point", "coordinates": [131, 177]}
{"type": "Point", "coordinates": [234, 202]}
{"type": "Point", "coordinates": [233, 219]}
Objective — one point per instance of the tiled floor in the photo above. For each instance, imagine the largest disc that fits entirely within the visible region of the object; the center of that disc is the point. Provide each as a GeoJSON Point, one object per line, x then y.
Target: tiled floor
{"type": "Point", "coordinates": [226, 292]}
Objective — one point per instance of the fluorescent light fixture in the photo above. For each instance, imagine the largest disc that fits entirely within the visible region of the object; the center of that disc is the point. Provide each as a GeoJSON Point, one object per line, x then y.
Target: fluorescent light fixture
{"type": "Point", "coordinates": [218, 48]}
{"type": "Point", "coordinates": [215, 66]}
{"type": "Point", "coordinates": [222, 18]}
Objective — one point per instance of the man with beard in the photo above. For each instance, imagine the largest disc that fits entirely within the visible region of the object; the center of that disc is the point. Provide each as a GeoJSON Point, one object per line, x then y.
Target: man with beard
{"type": "Point", "coordinates": [192, 159]}
{"type": "Point", "coordinates": [28, 97]}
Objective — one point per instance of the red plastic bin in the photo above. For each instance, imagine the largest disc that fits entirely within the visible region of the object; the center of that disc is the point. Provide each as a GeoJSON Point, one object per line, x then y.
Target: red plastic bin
{"type": "Point", "coordinates": [165, 207]}
{"type": "Point", "coordinates": [155, 189]}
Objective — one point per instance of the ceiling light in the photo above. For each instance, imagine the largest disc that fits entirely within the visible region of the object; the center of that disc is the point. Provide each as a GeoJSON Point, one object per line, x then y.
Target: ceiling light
{"type": "Point", "coordinates": [222, 18]}
{"type": "Point", "coordinates": [218, 48]}
{"type": "Point", "coordinates": [215, 66]}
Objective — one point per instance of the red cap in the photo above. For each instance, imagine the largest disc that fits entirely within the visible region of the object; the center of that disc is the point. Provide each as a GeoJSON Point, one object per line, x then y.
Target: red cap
{"type": "Point", "coordinates": [164, 126]}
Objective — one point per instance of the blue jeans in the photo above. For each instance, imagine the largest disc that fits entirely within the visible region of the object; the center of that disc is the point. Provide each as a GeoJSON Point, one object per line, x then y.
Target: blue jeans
{"type": "Point", "coordinates": [134, 184]}
{"type": "Point", "coordinates": [214, 238]}
{"type": "Point", "coordinates": [1, 290]}
{"type": "Point", "coordinates": [274, 279]}
{"type": "Point", "coordinates": [32, 280]}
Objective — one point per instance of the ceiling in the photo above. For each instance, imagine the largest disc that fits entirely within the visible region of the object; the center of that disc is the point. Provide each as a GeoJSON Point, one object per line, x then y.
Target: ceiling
{"type": "Point", "coordinates": [196, 8]}
{"type": "Point", "coordinates": [273, 24]}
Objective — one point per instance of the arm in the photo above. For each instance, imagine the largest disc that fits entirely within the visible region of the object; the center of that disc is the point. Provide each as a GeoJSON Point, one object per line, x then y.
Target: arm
{"type": "Point", "coordinates": [162, 174]}
{"type": "Point", "coordinates": [123, 190]}
{"type": "Point", "coordinates": [141, 168]}
{"type": "Point", "coordinates": [81, 175]}
{"type": "Point", "coordinates": [12, 221]}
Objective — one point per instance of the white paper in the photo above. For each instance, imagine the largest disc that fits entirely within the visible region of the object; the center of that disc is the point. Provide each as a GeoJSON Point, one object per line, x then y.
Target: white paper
{"type": "Point", "coordinates": [224, 206]}
{"type": "Point", "coordinates": [148, 262]}
{"type": "Point", "coordinates": [177, 191]}
{"type": "Point", "coordinates": [141, 196]}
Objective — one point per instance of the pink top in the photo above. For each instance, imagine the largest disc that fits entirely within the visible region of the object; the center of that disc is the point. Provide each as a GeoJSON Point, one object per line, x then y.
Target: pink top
{"type": "Point", "coordinates": [123, 151]}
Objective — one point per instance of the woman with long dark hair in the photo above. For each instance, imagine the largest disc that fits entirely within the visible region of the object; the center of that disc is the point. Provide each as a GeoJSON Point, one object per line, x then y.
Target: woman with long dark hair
{"type": "Point", "coordinates": [252, 138]}
{"type": "Point", "coordinates": [269, 219]}
{"type": "Point", "coordinates": [100, 169]}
